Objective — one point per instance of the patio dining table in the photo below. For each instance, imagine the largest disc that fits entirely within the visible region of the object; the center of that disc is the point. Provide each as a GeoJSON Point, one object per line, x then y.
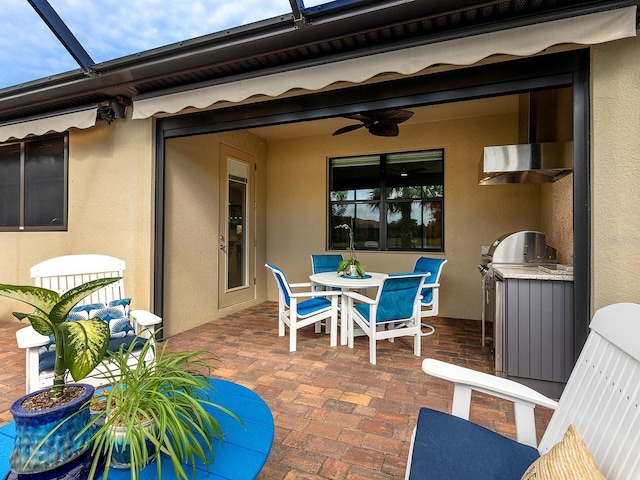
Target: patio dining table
{"type": "Point", "coordinates": [334, 280]}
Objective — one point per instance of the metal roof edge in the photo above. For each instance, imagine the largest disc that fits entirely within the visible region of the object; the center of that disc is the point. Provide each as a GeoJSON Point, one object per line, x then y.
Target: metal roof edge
{"type": "Point", "coordinates": [266, 37]}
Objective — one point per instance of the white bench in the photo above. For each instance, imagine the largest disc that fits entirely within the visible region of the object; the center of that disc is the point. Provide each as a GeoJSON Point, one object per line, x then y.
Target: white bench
{"type": "Point", "coordinates": [61, 274]}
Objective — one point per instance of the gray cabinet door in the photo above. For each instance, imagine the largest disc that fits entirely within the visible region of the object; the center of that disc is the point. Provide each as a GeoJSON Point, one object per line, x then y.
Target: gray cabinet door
{"type": "Point", "coordinates": [539, 330]}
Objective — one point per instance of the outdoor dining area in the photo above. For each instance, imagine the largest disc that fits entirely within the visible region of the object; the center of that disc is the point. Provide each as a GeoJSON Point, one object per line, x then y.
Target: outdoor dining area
{"type": "Point", "coordinates": [317, 405]}
{"type": "Point", "coordinates": [336, 288]}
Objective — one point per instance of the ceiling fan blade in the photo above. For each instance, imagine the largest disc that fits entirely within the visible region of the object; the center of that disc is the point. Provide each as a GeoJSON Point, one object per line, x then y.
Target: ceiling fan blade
{"type": "Point", "coordinates": [384, 129]}
{"type": "Point", "coordinates": [360, 117]}
{"type": "Point", "coordinates": [348, 128]}
{"type": "Point", "coordinates": [394, 116]}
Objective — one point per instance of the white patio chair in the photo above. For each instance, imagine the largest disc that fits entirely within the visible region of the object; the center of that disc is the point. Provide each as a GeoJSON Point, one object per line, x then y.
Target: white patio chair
{"type": "Point", "coordinates": [395, 312]}
{"type": "Point", "coordinates": [63, 273]}
{"type": "Point", "coordinates": [320, 305]}
{"type": "Point", "coordinates": [601, 398]}
{"type": "Point", "coordinates": [430, 302]}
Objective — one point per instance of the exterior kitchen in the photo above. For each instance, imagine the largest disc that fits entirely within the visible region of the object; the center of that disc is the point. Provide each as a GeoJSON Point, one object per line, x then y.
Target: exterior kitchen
{"type": "Point", "coordinates": [527, 276]}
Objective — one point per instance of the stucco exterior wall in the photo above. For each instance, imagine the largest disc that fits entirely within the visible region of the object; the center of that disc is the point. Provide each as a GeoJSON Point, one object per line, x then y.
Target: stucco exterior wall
{"type": "Point", "coordinates": [110, 210]}
{"type": "Point", "coordinates": [474, 215]}
{"type": "Point", "coordinates": [615, 103]}
{"type": "Point", "coordinates": [192, 212]}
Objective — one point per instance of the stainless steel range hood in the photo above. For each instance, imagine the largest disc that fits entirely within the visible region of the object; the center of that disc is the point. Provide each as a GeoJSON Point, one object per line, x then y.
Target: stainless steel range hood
{"type": "Point", "coordinates": [526, 163]}
{"type": "Point", "coordinates": [545, 153]}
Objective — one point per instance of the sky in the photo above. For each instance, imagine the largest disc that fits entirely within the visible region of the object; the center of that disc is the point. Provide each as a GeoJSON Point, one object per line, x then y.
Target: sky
{"type": "Point", "coordinates": [110, 29]}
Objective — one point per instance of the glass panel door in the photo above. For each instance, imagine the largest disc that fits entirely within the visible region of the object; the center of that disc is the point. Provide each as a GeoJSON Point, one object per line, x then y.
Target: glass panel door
{"type": "Point", "coordinates": [236, 231]}
{"type": "Point", "coordinates": [236, 245]}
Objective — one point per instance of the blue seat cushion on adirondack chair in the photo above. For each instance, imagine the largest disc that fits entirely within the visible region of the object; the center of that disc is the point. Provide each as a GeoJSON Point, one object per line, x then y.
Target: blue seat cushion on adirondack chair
{"type": "Point", "coordinates": [447, 447]}
{"type": "Point", "coordinates": [47, 359]}
{"type": "Point", "coordinates": [313, 305]}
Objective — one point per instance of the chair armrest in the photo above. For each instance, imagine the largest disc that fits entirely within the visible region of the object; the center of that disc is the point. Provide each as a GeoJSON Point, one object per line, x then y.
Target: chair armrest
{"type": "Point", "coordinates": [27, 337]}
{"type": "Point", "coordinates": [300, 285]}
{"type": "Point", "coordinates": [145, 318]}
{"type": "Point", "coordinates": [359, 297]}
{"type": "Point", "coordinates": [465, 380]}
{"type": "Point", "coordinates": [316, 293]}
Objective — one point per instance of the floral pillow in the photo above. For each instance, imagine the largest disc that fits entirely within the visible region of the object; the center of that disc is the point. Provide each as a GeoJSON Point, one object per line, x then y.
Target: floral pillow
{"type": "Point", "coordinates": [86, 309]}
{"type": "Point", "coordinates": [116, 314]}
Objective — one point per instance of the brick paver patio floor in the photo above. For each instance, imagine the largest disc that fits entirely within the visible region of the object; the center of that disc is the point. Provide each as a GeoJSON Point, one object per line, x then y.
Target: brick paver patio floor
{"type": "Point", "coordinates": [336, 415]}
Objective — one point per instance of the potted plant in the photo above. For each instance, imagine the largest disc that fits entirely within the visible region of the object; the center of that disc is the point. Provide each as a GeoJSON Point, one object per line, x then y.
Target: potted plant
{"type": "Point", "coordinates": [80, 347]}
{"type": "Point", "coordinates": [350, 266]}
{"type": "Point", "coordinates": [153, 408]}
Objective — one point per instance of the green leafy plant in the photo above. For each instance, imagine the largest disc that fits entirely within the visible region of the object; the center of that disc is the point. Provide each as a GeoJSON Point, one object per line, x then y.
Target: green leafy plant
{"type": "Point", "coordinates": [344, 267]}
{"type": "Point", "coordinates": [163, 405]}
{"type": "Point", "coordinates": [80, 345]}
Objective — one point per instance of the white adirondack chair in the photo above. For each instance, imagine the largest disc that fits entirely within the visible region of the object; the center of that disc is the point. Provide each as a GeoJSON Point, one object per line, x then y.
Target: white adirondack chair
{"type": "Point", "coordinates": [602, 396]}
{"type": "Point", "coordinates": [61, 274]}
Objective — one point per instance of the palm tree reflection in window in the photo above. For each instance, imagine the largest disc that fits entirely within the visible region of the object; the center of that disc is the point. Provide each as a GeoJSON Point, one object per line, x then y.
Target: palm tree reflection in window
{"type": "Point", "coordinates": [413, 220]}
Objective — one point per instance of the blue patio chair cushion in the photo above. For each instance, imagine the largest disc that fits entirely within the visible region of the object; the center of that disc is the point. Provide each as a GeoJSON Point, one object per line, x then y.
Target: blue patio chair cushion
{"type": "Point", "coordinates": [363, 309]}
{"type": "Point", "coordinates": [313, 305]}
{"type": "Point", "coordinates": [325, 263]}
{"type": "Point", "coordinates": [283, 285]}
{"type": "Point", "coordinates": [395, 301]}
{"type": "Point", "coordinates": [432, 266]}
{"type": "Point", "coordinates": [450, 448]}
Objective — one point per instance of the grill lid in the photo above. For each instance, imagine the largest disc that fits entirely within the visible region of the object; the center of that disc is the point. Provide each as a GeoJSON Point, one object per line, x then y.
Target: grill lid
{"type": "Point", "coordinates": [527, 247]}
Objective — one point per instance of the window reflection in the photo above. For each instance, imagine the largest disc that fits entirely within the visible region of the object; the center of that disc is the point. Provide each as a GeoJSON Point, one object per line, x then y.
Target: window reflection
{"type": "Point", "coordinates": [409, 216]}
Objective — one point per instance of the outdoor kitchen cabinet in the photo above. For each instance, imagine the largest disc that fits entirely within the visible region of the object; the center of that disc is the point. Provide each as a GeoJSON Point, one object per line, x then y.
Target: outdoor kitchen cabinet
{"type": "Point", "coordinates": [538, 348]}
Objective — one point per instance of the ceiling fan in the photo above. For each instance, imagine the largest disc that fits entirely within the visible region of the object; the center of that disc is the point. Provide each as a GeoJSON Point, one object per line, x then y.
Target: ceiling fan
{"type": "Point", "coordinates": [383, 123]}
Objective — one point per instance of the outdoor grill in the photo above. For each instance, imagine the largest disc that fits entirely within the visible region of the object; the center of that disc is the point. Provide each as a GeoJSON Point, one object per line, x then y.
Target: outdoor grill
{"type": "Point", "coordinates": [525, 248]}
{"type": "Point", "coordinates": [528, 248]}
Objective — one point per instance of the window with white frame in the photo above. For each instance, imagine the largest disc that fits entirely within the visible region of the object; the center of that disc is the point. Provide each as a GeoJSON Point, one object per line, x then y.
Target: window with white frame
{"type": "Point", "coordinates": [393, 201]}
{"type": "Point", "coordinates": [33, 184]}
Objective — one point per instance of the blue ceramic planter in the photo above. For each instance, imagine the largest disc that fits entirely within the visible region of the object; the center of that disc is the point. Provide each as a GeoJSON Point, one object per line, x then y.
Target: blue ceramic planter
{"type": "Point", "coordinates": [62, 447]}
